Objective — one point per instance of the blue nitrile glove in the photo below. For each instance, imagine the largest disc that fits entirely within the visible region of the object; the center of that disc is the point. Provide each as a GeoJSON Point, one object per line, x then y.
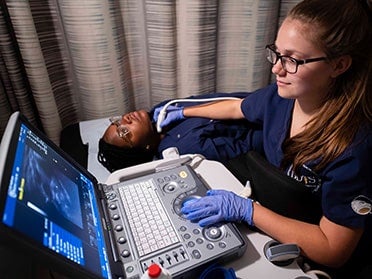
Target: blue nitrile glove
{"type": "Point", "coordinates": [173, 113]}
{"type": "Point", "coordinates": [218, 206]}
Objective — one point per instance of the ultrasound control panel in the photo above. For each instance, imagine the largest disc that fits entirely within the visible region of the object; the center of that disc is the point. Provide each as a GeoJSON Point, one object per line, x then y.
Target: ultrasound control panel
{"type": "Point", "coordinates": [148, 226]}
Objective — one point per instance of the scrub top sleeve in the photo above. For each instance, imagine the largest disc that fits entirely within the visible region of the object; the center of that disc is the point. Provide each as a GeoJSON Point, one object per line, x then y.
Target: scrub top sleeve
{"type": "Point", "coordinates": [347, 187]}
{"type": "Point", "coordinates": [254, 106]}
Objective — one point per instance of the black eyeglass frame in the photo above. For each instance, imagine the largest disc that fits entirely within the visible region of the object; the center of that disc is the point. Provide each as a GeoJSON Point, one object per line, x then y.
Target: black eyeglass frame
{"type": "Point", "coordinates": [297, 62]}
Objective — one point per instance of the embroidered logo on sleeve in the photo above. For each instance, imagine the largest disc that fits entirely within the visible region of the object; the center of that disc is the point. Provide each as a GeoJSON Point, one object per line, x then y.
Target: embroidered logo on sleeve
{"type": "Point", "coordinates": [361, 205]}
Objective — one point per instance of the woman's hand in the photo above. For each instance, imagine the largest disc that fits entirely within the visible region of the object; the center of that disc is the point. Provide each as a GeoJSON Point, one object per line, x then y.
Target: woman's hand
{"type": "Point", "coordinates": [218, 206]}
{"type": "Point", "coordinates": [172, 114]}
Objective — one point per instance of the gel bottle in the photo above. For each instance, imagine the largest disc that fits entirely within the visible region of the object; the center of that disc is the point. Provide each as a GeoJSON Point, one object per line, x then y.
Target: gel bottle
{"type": "Point", "coordinates": [155, 271]}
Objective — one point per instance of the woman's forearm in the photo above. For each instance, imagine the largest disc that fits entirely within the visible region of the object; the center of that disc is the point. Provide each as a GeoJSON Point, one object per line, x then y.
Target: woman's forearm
{"type": "Point", "coordinates": [229, 109]}
{"type": "Point", "coordinates": [325, 243]}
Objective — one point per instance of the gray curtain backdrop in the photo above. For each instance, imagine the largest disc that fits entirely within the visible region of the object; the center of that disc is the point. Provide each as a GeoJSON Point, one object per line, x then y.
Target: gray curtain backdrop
{"type": "Point", "coordinates": [65, 61]}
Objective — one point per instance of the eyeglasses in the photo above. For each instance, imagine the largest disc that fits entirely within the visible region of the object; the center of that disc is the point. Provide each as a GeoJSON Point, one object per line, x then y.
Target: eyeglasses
{"type": "Point", "coordinates": [122, 130]}
{"type": "Point", "coordinates": [289, 64]}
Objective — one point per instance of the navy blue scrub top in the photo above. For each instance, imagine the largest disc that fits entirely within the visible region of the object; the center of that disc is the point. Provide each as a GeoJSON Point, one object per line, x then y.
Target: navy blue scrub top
{"type": "Point", "coordinates": [343, 184]}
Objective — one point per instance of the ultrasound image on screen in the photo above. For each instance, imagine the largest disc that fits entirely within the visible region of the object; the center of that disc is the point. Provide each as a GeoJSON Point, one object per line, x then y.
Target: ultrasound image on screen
{"type": "Point", "coordinates": [49, 189]}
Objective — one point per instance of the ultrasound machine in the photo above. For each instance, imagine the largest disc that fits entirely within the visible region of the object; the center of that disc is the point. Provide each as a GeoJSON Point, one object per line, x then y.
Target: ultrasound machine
{"type": "Point", "coordinates": [57, 210]}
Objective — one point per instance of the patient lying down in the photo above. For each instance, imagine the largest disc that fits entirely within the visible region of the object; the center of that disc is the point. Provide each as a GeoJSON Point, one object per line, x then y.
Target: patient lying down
{"type": "Point", "coordinates": [133, 139]}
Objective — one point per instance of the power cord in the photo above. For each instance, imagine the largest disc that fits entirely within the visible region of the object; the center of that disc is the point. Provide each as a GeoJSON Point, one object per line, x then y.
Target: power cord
{"type": "Point", "coordinates": [318, 273]}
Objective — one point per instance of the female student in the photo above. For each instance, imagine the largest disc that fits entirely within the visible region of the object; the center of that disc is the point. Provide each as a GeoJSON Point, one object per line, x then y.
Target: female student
{"type": "Point", "coordinates": [316, 122]}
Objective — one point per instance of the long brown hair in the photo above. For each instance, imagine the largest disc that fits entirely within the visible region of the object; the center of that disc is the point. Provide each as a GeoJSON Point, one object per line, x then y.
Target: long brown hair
{"type": "Point", "coordinates": [341, 27]}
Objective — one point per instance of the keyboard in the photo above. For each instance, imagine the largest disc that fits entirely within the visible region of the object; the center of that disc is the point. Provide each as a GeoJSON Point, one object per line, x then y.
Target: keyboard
{"type": "Point", "coordinates": [151, 227]}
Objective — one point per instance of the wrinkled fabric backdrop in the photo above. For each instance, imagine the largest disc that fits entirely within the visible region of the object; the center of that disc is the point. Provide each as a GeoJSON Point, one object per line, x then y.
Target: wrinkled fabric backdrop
{"type": "Point", "coordinates": [65, 61]}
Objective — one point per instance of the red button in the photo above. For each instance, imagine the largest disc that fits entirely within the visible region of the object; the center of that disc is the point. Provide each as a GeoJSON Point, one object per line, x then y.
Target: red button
{"type": "Point", "coordinates": [154, 271]}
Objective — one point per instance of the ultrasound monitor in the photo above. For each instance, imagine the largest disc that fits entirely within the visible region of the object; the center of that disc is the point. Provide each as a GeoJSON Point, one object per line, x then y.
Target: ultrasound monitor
{"type": "Point", "coordinates": [41, 198]}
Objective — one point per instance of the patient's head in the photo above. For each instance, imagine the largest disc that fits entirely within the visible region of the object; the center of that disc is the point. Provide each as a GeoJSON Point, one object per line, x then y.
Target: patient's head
{"type": "Point", "coordinates": [129, 140]}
